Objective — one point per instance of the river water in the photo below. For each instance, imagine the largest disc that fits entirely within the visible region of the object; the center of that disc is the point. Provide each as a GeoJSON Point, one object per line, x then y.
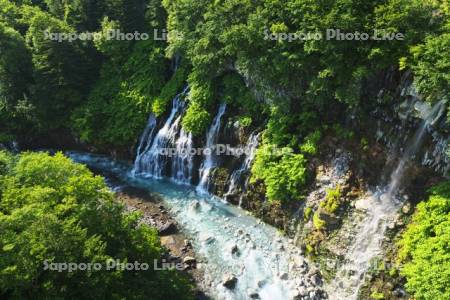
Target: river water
{"type": "Point", "coordinates": [228, 241]}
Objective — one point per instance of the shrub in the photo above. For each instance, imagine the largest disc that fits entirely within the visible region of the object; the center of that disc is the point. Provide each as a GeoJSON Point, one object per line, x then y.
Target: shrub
{"type": "Point", "coordinates": [284, 175]}
{"type": "Point", "coordinates": [309, 146]}
{"type": "Point", "coordinates": [196, 119]}
{"type": "Point", "coordinates": [424, 247]}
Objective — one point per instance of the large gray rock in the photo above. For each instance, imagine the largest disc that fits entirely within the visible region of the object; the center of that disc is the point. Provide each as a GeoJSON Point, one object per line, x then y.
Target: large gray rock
{"type": "Point", "coordinates": [167, 228]}
{"type": "Point", "coordinates": [229, 281]}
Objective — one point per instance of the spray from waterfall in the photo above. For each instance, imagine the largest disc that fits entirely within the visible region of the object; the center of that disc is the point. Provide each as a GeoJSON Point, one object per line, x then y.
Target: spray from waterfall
{"type": "Point", "coordinates": [210, 161]}
{"type": "Point", "coordinates": [380, 209]}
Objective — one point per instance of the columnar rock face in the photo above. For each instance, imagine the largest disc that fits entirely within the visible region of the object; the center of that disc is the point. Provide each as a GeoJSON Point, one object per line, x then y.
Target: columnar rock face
{"type": "Point", "coordinates": [397, 120]}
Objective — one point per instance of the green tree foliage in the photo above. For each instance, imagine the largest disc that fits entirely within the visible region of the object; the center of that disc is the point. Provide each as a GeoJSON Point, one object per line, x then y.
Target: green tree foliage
{"type": "Point", "coordinates": [15, 77]}
{"type": "Point", "coordinates": [432, 66]}
{"type": "Point", "coordinates": [424, 249]}
{"type": "Point", "coordinates": [196, 119]}
{"type": "Point", "coordinates": [316, 75]}
{"type": "Point", "coordinates": [282, 171]}
{"type": "Point", "coordinates": [121, 100]}
{"type": "Point", "coordinates": [169, 91]}
{"type": "Point", "coordinates": [61, 67]}
{"type": "Point", "coordinates": [52, 209]}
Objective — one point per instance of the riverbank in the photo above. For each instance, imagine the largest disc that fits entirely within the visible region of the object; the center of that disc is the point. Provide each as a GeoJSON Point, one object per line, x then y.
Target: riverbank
{"type": "Point", "coordinates": [155, 214]}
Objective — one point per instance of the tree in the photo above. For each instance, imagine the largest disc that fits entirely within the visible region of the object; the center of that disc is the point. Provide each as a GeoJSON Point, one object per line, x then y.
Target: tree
{"type": "Point", "coordinates": [62, 72]}
{"type": "Point", "coordinates": [15, 79]}
{"type": "Point", "coordinates": [55, 211]}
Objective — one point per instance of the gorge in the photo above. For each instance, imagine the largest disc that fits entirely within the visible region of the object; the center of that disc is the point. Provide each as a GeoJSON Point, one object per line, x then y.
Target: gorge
{"type": "Point", "coordinates": [262, 147]}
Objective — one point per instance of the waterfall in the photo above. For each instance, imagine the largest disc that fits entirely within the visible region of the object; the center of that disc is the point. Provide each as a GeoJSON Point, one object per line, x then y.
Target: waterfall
{"type": "Point", "coordinates": [398, 174]}
{"type": "Point", "coordinates": [380, 210]}
{"type": "Point", "coordinates": [183, 162]}
{"type": "Point", "coordinates": [238, 175]}
{"type": "Point", "coordinates": [153, 159]}
{"type": "Point", "coordinates": [145, 142]}
{"type": "Point", "coordinates": [210, 157]}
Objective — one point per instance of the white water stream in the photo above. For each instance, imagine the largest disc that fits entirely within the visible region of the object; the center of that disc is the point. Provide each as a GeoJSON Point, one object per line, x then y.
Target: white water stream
{"type": "Point", "coordinates": [210, 158]}
{"type": "Point", "coordinates": [380, 210]}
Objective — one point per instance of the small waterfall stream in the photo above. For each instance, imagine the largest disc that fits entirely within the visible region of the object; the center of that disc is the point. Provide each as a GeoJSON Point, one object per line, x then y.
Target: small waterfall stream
{"type": "Point", "coordinates": [238, 178]}
{"type": "Point", "coordinates": [398, 174]}
{"type": "Point", "coordinates": [154, 153]}
{"type": "Point", "coordinates": [145, 142]}
{"type": "Point", "coordinates": [183, 162]}
{"type": "Point", "coordinates": [210, 157]}
{"type": "Point", "coordinates": [380, 209]}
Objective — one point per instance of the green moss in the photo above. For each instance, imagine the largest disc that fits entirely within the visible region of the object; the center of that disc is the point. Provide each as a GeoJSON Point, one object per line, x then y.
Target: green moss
{"type": "Point", "coordinates": [318, 222]}
{"type": "Point", "coordinates": [332, 200]}
{"type": "Point", "coordinates": [377, 296]}
{"type": "Point", "coordinates": [364, 144]}
{"type": "Point", "coordinates": [307, 213]}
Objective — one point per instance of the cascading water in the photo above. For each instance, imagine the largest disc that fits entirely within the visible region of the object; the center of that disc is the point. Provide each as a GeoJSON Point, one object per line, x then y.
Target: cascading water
{"type": "Point", "coordinates": [153, 160]}
{"type": "Point", "coordinates": [183, 162]}
{"type": "Point", "coordinates": [210, 157]}
{"type": "Point", "coordinates": [145, 142]}
{"type": "Point", "coordinates": [237, 177]}
{"type": "Point", "coordinates": [429, 117]}
{"type": "Point", "coordinates": [380, 209]}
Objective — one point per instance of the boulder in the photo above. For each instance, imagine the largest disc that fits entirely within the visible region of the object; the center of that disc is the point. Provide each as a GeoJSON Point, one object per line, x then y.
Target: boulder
{"type": "Point", "coordinates": [229, 281]}
{"type": "Point", "coordinates": [406, 209]}
{"type": "Point", "coordinates": [316, 280]}
{"type": "Point", "coordinates": [189, 260]}
{"type": "Point", "coordinates": [205, 238]}
{"type": "Point", "coordinates": [261, 283]}
{"type": "Point", "coordinates": [167, 228]}
{"type": "Point", "coordinates": [235, 250]}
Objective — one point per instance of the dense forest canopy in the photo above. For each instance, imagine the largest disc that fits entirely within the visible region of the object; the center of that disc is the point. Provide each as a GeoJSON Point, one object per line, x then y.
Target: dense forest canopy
{"type": "Point", "coordinates": [85, 85]}
{"type": "Point", "coordinates": [54, 211]}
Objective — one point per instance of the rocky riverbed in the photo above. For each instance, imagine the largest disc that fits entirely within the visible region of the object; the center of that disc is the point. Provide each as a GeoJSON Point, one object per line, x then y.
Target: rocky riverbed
{"type": "Point", "coordinates": [155, 214]}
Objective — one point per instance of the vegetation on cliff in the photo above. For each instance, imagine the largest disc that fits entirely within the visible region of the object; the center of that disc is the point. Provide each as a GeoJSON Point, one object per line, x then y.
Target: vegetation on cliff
{"type": "Point", "coordinates": [424, 247]}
